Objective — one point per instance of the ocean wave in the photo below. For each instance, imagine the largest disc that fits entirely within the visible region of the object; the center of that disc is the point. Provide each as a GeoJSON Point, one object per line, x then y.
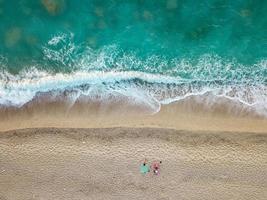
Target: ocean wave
{"type": "Point", "coordinates": [63, 52]}
{"type": "Point", "coordinates": [110, 73]}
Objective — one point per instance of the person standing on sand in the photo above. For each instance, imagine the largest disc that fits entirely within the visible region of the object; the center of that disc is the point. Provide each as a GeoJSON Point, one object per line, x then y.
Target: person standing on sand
{"type": "Point", "coordinates": [144, 168]}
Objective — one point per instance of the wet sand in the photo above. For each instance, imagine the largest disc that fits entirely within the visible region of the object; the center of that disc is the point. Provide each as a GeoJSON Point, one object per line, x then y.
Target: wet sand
{"type": "Point", "coordinates": [192, 114]}
{"type": "Point", "coordinates": [77, 164]}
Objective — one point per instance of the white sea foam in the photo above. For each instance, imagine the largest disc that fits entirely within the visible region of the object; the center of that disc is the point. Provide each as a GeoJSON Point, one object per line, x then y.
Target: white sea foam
{"type": "Point", "coordinates": [18, 90]}
{"type": "Point", "coordinates": [55, 40]}
{"type": "Point", "coordinates": [109, 72]}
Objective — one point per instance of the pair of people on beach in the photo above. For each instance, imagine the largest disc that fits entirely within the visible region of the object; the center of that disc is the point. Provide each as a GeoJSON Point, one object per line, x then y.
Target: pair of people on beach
{"type": "Point", "coordinates": [145, 168]}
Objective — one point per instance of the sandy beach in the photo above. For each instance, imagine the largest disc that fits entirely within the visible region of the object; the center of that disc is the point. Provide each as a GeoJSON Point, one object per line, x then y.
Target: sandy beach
{"type": "Point", "coordinates": [102, 163]}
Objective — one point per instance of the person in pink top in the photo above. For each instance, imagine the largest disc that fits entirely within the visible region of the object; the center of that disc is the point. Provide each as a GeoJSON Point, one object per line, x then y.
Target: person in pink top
{"type": "Point", "coordinates": [156, 167]}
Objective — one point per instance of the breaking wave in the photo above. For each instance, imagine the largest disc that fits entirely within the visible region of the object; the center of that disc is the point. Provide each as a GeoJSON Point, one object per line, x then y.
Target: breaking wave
{"type": "Point", "coordinates": [151, 81]}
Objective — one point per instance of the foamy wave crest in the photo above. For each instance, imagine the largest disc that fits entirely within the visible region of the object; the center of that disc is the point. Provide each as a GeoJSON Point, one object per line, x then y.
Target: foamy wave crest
{"type": "Point", "coordinates": [109, 73]}
{"type": "Point", "coordinates": [62, 51]}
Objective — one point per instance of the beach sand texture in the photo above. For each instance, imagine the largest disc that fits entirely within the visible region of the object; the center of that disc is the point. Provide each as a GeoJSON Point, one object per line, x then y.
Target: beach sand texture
{"type": "Point", "coordinates": [97, 164]}
{"type": "Point", "coordinates": [189, 114]}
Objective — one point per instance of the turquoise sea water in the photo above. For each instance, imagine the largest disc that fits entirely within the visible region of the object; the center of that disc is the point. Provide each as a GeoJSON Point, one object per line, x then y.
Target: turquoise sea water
{"type": "Point", "coordinates": [151, 52]}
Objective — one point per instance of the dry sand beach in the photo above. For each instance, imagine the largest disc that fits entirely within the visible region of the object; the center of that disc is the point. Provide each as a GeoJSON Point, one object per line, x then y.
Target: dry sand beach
{"type": "Point", "coordinates": [97, 164]}
{"type": "Point", "coordinates": [210, 155]}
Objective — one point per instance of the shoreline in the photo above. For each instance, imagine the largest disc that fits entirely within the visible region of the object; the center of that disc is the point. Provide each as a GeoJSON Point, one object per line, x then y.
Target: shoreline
{"type": "Point", "coordinates": [189, 114]}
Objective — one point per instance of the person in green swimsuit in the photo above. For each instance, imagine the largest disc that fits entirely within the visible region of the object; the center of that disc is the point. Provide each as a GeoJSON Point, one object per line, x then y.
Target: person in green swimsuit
{"type": "Point", "coordinates": [144, 168]}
